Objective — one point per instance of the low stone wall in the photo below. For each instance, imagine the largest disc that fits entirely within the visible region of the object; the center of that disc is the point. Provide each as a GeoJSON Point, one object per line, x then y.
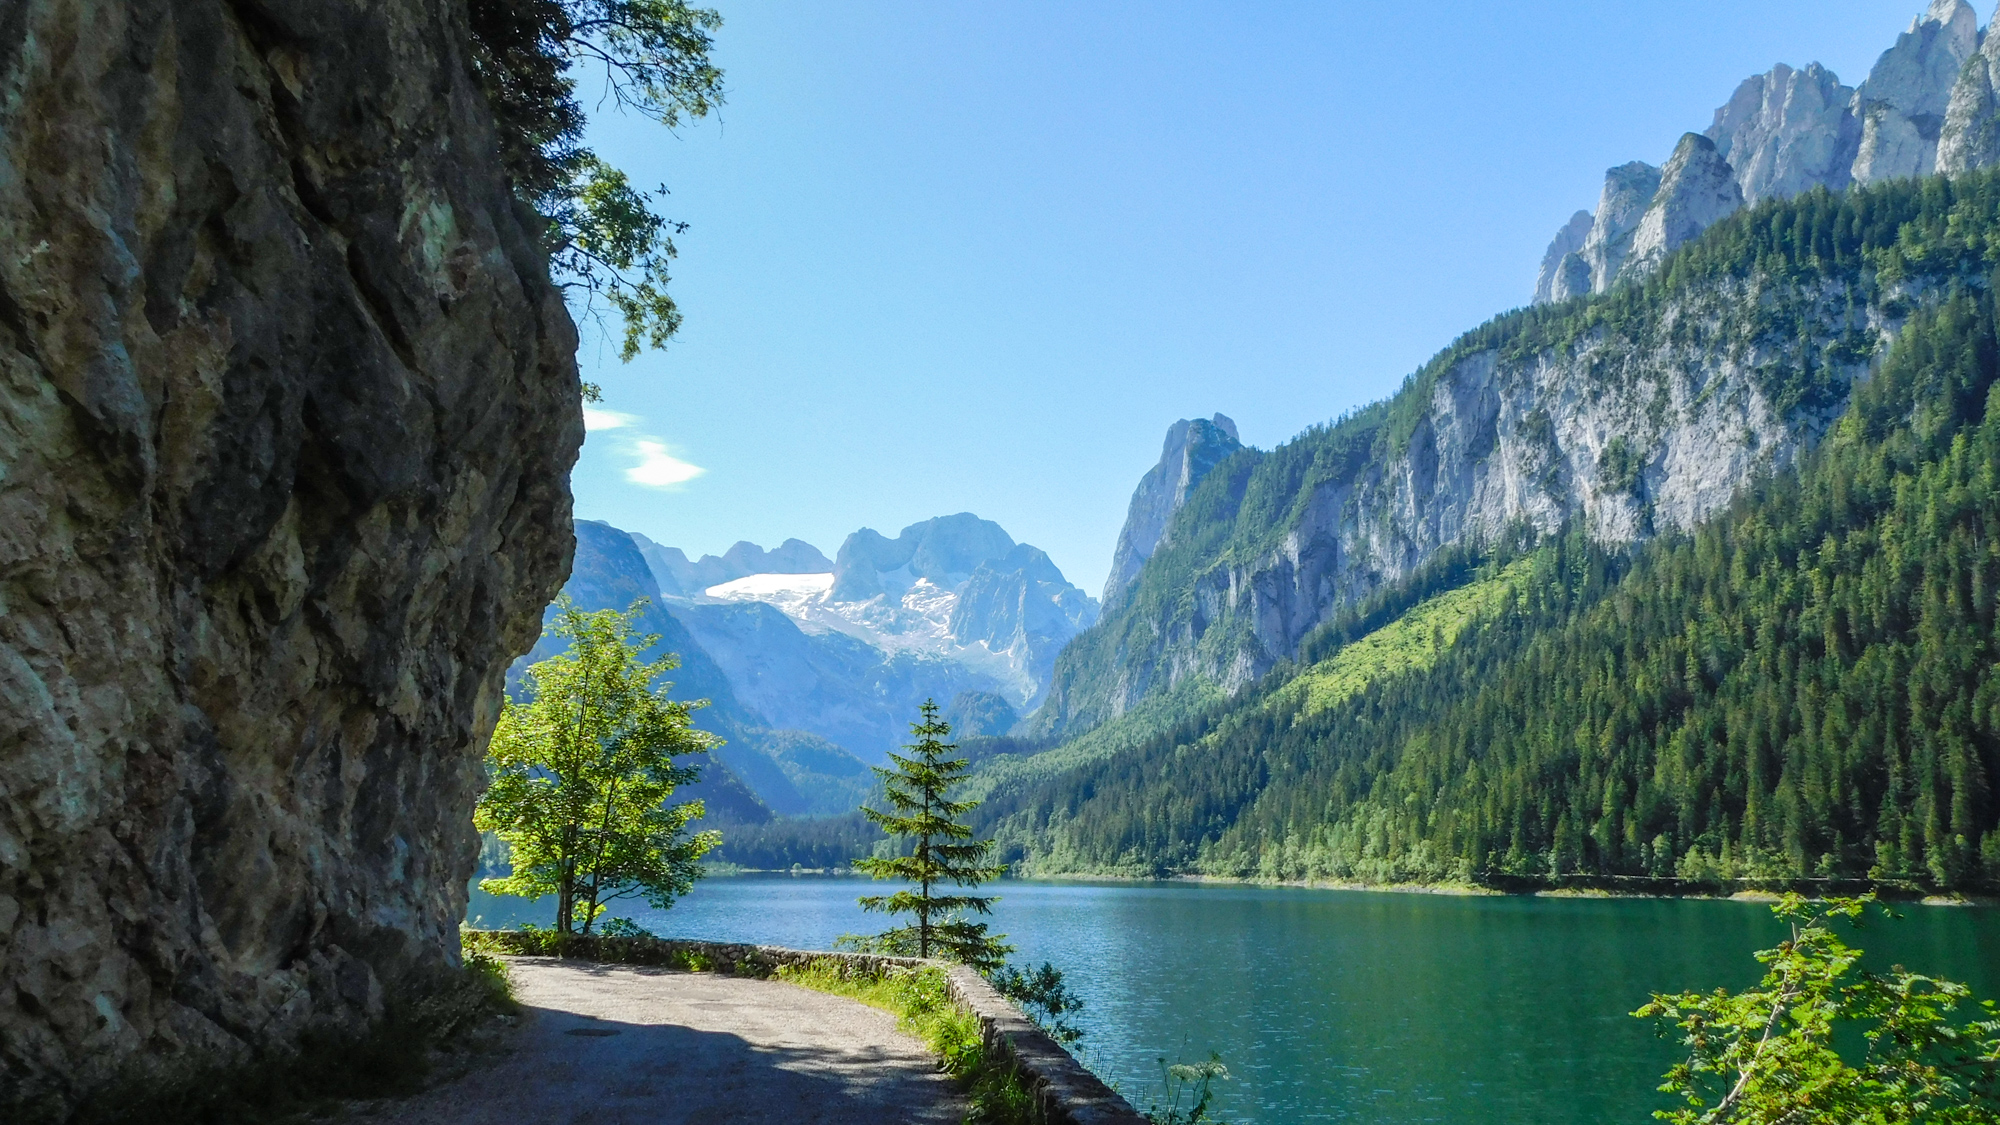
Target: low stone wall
{"type": "Point", "coordinates": [1067, 1093]}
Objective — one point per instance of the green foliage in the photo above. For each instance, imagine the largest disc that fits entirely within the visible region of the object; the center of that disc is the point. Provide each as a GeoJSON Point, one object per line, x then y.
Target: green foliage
{"type": "Point", "coordinates": [1409, 643]}
{"type": "Point", "coordinates": [603, 235]}
{"type": "Point", "coordinates": [1786, 288]}
{"type": "Point", "coordinates": [945, 853]}
{"type": "Point", "coordinates": [819, 843]}
{"type": "Point", "coordinates": [1044, 996]}
{"type": "Point", "coordinates": [582, 772]}
{"type": "Point", "coordinates": [921, 1001]}
{"type": "Point", "coordinates": [1186, 1089]}
{"type": "Point", "coordinates": [1802, 689]}
{"type": "Point", "coordinates": [1769, 1055]}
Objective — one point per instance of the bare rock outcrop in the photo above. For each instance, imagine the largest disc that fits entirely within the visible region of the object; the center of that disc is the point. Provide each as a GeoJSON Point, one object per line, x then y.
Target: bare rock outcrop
{"type": "Point", "coordinates": [1786, 131]}
{"type": "Point", "coordinates": [1697, 188]}
{"type": "Point", "coordinates": [1971, 137]}
{"type": "Point", "coordinates": [1902, 105]}
{"type": "Point", "coordinates": [1628, 191]}
{"type": "Point", "coordinates": [1190, 450]}
{"type": "Point", "coordinates": [286, 419]}
{"type": "Point", "coordinates": [1561, 258]}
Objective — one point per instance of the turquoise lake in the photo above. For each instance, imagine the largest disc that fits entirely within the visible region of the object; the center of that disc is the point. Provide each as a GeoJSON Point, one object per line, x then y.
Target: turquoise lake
{"type": "Point", "coordinates": [1329, 1005]}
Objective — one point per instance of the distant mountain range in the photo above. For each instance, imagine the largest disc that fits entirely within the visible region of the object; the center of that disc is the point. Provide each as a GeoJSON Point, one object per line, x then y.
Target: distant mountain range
{"type": "Point", "coordinates": [815, 668]}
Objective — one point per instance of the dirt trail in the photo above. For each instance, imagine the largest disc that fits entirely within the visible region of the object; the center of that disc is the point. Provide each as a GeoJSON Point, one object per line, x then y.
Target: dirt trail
{"type": "Point", "coordinates": [614, 1045]}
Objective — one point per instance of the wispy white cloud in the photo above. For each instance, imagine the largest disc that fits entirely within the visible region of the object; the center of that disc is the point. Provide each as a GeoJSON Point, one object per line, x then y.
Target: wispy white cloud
{"type": "Point", "coordinates": [595, 420]}
{"type": "Point", "coordinates": [657, 468]}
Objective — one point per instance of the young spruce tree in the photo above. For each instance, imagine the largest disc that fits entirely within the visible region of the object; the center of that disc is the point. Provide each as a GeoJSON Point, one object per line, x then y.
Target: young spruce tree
{"type": "Point", "coordinates": [945, 860]}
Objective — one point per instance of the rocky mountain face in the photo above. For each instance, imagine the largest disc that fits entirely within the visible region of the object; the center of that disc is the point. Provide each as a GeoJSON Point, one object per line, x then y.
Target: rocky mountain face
{"type": "Point", "coordinates": [1626, 424]}
{"type": "Point", "coordinates": [286, 427]}
{"type": "Point", "coordinates": [956, 589]}
{"type": "Point", "coordinates": [684, 579]}
{"type": "Point", "coordinates": [1929, 105]}
{"type": "Point", "coordinates": [1191, 449]}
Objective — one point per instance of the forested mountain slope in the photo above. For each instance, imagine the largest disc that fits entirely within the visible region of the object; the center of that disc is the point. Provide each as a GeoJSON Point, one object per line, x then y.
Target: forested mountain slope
{"type": "Point", "coordinates": [1641, 411]}
{"type": "Point", "coordinates": [1724, 647]}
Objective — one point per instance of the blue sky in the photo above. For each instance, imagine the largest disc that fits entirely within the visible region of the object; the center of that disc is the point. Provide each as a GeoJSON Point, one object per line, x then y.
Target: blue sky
{"type": "Point", "coordinates": [976, 257]}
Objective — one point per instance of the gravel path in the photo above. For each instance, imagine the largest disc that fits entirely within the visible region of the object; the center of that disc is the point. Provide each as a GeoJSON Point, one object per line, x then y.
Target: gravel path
{"type": "Point", "coordinates": [614, 1045]}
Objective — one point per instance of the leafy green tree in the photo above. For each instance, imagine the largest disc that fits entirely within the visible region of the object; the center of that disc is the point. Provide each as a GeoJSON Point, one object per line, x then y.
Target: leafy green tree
{"type": "Point", "coordinates": [1767, 1056]}
{"type": "Point", "coordinates": [603, 235]}
{"type": "Point", "coordinates": [582, 773]}
{"type": "Point", "coordinates": [945, 854]}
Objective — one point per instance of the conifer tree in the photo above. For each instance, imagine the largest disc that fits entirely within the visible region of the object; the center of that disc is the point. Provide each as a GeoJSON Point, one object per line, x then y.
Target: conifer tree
{"type": "Point", "coordinates": [944, 861]}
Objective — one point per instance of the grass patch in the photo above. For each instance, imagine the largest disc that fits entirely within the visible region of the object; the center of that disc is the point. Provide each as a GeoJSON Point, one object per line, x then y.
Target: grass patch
{"type": "Point", "coordinates": [1410, 643]}
{"type": "Point", "coordinates": [921, 1001]}
{"type": "Point", "coordinates": [391, 1060]}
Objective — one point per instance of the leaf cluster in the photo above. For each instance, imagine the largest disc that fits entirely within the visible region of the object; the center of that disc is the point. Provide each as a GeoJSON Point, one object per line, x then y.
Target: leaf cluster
{"type": "Point", "coordinates": [604, 236]}
{"type": "Point", "coordinates": [582, 772]}
{"type": "Point", "coordinates": [1768, 1055]}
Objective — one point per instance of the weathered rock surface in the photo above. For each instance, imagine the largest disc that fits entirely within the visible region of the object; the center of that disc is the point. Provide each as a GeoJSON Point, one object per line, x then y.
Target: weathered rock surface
{"type": "Point", "coordinates": [1786, 131]}
{"type": "Point", "coordinates": [1697, 188]}
{"type": "Point", "coordinates": [287, 410]}
{"type": "Point", "coordinates": [1628, 191]}
{"type": "Point", "coordinates": [1562, 249]}
{"type": "Point", "coordinates": [1903, 103]}
{"type": "Point", "coordinates": [1930, 104]}
{"type": "Point", "coordinates": [1623, 434]}
{"type": "Point", "coordinates": [1191, 449]}
{"type": "Point", "coordinates": [1971, 137]}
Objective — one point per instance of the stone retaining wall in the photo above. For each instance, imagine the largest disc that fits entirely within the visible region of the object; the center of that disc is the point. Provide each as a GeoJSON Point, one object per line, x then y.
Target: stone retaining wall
{"type": "Point", "coordinates": [1067, 1093]}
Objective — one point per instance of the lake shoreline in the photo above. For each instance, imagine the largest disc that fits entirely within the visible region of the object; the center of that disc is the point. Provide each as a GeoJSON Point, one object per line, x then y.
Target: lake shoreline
{"type": "Point", "coordinates": [1584, 887]}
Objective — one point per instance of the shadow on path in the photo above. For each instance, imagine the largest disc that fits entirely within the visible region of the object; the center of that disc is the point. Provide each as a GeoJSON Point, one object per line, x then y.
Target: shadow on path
{"type": "Point", "coordinates": [612, 1045]}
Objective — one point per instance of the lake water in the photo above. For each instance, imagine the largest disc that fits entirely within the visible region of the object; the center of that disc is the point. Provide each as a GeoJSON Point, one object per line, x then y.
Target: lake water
{"type": "Point", "coordinates": [1351, 1005]}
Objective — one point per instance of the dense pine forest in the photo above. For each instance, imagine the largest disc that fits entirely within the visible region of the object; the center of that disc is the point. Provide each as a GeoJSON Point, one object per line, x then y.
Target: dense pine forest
{"type": "Point", "coordinates": [1802, 688]}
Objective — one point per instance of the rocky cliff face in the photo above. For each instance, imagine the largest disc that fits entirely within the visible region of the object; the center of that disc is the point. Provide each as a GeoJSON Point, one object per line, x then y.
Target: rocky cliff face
{"type": "Point", "coordinates": [1697, 188]}
{"type": "Point", "coordinates": [286, 421]}
{"type": "Point", "coordinates": [1191, 449]}
{"type": "Point", "coordinates": [1902, 105]}
{"type": "Point", "coordinates": [1929, 104]}
{"type": "Point", "coordinates": [1638, 426]}
{"type": "Point", "coordinates": [1786, 131]}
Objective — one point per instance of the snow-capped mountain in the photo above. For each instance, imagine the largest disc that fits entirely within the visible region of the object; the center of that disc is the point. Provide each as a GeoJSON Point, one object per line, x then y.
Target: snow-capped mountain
{"type": "Point", "coordinates": [956, 588]}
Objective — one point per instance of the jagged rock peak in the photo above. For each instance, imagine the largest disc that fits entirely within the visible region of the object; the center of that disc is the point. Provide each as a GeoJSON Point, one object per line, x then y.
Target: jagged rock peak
{"type": "Point", "coordinates": [1628, 191]}
{"type": "Point", "coordinates": [1786, 131]}
{"type": "Point", "coordinates": [1971, 132]}
{"type": "Point", "coordinates": [1902, 105]}
{"type": "Point", "coordinates": [1562, 250]}
{"type": "Point", "coordinates": [682, 578]}
{"type": "Point", "coordinates": [1697, 188]}
{"type": "Point", "coordinates": [1190, 450]}
{"type": "Point", "coordinates": [945, 551]}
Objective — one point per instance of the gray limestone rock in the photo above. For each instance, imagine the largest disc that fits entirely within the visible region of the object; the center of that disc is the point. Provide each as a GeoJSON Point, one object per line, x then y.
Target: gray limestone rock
{"type": "Point", "coordinates": [1787, 131]}
{"type": "Point", "coordinates": [288, 407]}
{"type": "Point", "coordinates": [944, 551]}
{"type": "Point", "coordinates": [1628, 191]}
{"type": "Point", "coordinates": [1971, 134]}
{"type": "Point", "coordinates": [1902, 106]}
{"type": "Point", "coordinates": [1191, 449]}
{"type": "Point", "coordinates": [1572, 279]}
{"type": "Point", "coordinates": [1697, 188]}
{"type": "Point", "coordinates": [1562, 248]}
